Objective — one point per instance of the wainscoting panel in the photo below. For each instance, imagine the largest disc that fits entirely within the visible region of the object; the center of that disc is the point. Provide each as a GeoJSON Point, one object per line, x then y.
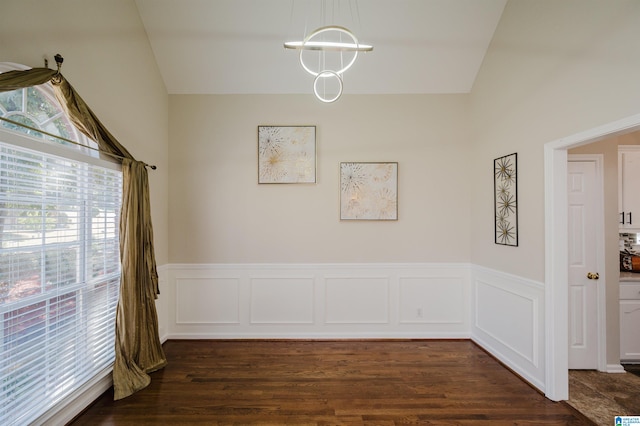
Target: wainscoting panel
{"type": "Point", "coordinates": [518, 310]}
{"type": "Point", "coordinates": [508, 321]}
{"type": "Point", "coordinates": [357, 300]}
{"type": "Point", "coordinates": [325, 301]}
{"type": "Point", "coordinates": [282, 300]}
{"type": "Point", "coordinates": [432, 300]}
{"type": "Point", "coordinates": [207, 301]}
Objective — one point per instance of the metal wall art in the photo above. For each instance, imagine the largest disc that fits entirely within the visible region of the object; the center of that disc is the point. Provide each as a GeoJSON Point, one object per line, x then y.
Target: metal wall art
{"type": "Point", "coordinates": [286, 154]}
{"type": "Point", "coordinates": [505, 194]}
{"type": "Point", "coordinates": [368, 191]}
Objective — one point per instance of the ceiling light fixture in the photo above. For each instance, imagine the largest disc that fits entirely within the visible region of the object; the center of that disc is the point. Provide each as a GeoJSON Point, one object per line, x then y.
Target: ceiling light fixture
{"type": "Point", "coordinates": [331, 48]}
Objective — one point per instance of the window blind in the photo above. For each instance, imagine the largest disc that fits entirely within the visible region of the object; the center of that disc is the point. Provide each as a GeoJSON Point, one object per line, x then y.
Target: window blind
{"type": "Point", "coordinates": [59, 277]}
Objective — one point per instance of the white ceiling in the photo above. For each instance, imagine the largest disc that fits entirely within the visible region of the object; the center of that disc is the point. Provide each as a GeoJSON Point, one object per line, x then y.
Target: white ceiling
{"type": "Point", "coordinates": [236, 46]}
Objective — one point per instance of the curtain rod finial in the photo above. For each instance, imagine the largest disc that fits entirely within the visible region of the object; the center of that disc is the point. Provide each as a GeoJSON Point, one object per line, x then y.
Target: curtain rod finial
{"type": "Point", "coordinates": [59, 60]}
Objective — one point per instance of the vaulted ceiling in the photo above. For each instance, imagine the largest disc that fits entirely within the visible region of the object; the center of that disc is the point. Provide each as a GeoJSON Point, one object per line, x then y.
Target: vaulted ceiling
{"type": "Point", "coordinates": [236, 46]}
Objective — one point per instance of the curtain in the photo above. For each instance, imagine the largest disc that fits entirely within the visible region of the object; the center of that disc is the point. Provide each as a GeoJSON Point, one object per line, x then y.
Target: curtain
{"type": "Point", "coordinates": [138, 350]}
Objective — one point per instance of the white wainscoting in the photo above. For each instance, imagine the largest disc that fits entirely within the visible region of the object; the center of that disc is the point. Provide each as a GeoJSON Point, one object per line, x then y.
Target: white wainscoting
{"type": "Point", "coordinates": [508, 321]}
{"type": "Point", "coordinates": [215, 301]}
{"type": "Point", "coordinates": [285, 300]}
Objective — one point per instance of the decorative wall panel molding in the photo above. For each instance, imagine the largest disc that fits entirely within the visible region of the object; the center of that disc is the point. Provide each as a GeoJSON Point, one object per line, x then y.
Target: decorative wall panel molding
{"type": "Point", "coordinates": [357, 300]}
{"type": "Point", "coordinates": [318, 301]}
{"type": "Point", "coordinates": [432, 300]}
{"type": "Point", "coordinates": [284, 300]}
{"type": "Point", "coordinates": [207, 301]}
{"type": "Point", "coordinates": [508, 321]}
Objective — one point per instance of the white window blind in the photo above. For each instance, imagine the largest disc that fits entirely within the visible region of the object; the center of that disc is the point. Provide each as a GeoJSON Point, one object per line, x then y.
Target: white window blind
{"type": "Point", "coordinates": [59, 277]}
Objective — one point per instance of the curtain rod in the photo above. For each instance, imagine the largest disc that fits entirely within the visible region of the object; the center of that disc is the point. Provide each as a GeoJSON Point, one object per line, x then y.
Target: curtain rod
{"type": "Point", "coordinates": [69, 140]}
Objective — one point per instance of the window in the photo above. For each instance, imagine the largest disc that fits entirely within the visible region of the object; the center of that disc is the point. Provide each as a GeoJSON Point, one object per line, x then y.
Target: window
{"type": "Point", "coordinates": [38, 108]}
{"type": "Point", "coordinates": [59, 260]}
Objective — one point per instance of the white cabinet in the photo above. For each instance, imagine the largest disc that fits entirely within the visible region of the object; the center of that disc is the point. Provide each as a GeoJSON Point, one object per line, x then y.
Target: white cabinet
{"type": "Point", "coordinates": [629, 321]}
{"type": "Point", "coordinates": [629, 188]}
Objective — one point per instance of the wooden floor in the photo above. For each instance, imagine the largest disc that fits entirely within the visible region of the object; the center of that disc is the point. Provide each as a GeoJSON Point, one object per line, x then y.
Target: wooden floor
{"type": "Point", "coordinates": [331, 383]}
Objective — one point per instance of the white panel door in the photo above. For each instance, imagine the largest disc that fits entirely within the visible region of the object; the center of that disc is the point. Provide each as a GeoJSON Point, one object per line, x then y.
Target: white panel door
{"type": "Point", "coordinates": [583, 291]}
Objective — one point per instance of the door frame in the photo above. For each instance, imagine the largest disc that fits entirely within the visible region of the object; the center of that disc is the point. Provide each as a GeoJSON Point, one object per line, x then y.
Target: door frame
{"type": "Point", "coordinates": [601, 284]}
{"type": "Point", "coordinates": [556, 250]}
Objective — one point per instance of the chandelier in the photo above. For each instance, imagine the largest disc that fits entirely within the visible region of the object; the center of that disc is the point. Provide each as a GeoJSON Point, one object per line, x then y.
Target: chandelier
{"type": "Point", "coordinates": [326, 53]}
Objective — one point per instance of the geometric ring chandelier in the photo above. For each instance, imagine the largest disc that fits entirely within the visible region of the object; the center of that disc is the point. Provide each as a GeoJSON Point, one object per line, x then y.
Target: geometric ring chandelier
{"type": "Point", "coordinates": [330, 48]}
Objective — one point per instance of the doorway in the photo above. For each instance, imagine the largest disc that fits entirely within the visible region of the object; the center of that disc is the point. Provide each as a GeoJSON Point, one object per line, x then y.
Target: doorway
{"type": "Point", "coordinates": [586, 262]}
{"type": "Point", "coordinates": [556, 251]}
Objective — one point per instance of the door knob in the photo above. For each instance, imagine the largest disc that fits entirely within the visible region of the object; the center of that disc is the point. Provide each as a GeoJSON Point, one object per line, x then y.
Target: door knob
{"type": "Point", "coordinates": [593, 275]}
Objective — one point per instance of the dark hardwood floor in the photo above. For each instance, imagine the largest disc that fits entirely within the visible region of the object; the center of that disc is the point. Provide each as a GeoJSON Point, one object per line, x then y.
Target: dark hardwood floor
{"type": "Point", "coordinates": [435, 382]}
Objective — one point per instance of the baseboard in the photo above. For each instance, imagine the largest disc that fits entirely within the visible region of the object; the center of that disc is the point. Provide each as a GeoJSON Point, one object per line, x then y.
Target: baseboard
{"type": "Point", "coordinates": [510, 364]}
{"type": "Point", "coordinates": [317, 336]}
{"type": "Point", "coordinates": [615, 368]}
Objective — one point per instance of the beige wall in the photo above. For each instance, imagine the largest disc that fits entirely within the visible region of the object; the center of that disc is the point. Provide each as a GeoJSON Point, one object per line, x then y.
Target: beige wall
{"type": "Point", "coordinates": [220, 214]}
{"type": "Point", "coordinates": [553, 69]}
{"type": "Point", "coordinates": [107, 58]}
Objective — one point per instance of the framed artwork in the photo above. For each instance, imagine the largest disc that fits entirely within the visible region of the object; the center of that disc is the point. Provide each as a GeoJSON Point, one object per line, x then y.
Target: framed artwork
{"type": "Point", "coordinates": [505, 195]}
{"type": "Point", "coordinates": [286, 154]}
{"type": "Point", "coordinates": [368, 191]}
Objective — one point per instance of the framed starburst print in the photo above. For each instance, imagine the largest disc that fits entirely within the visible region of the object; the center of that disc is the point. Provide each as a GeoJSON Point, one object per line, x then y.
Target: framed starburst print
{"type": "Point", "coordinates": [286, 154]}
{"type": "Point", "coordinates": [368, 191]}
{"type": "Point", "coordinates": [505, 195]}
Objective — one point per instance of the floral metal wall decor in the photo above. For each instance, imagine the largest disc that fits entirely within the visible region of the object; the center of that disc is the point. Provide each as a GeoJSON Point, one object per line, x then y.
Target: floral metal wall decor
{"type": "Point", "coordinates": [286, 154]}
{"type": "Point", "coordinates": [368, 191]}
{"type": "Point", "coordinates": [505, 194]}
